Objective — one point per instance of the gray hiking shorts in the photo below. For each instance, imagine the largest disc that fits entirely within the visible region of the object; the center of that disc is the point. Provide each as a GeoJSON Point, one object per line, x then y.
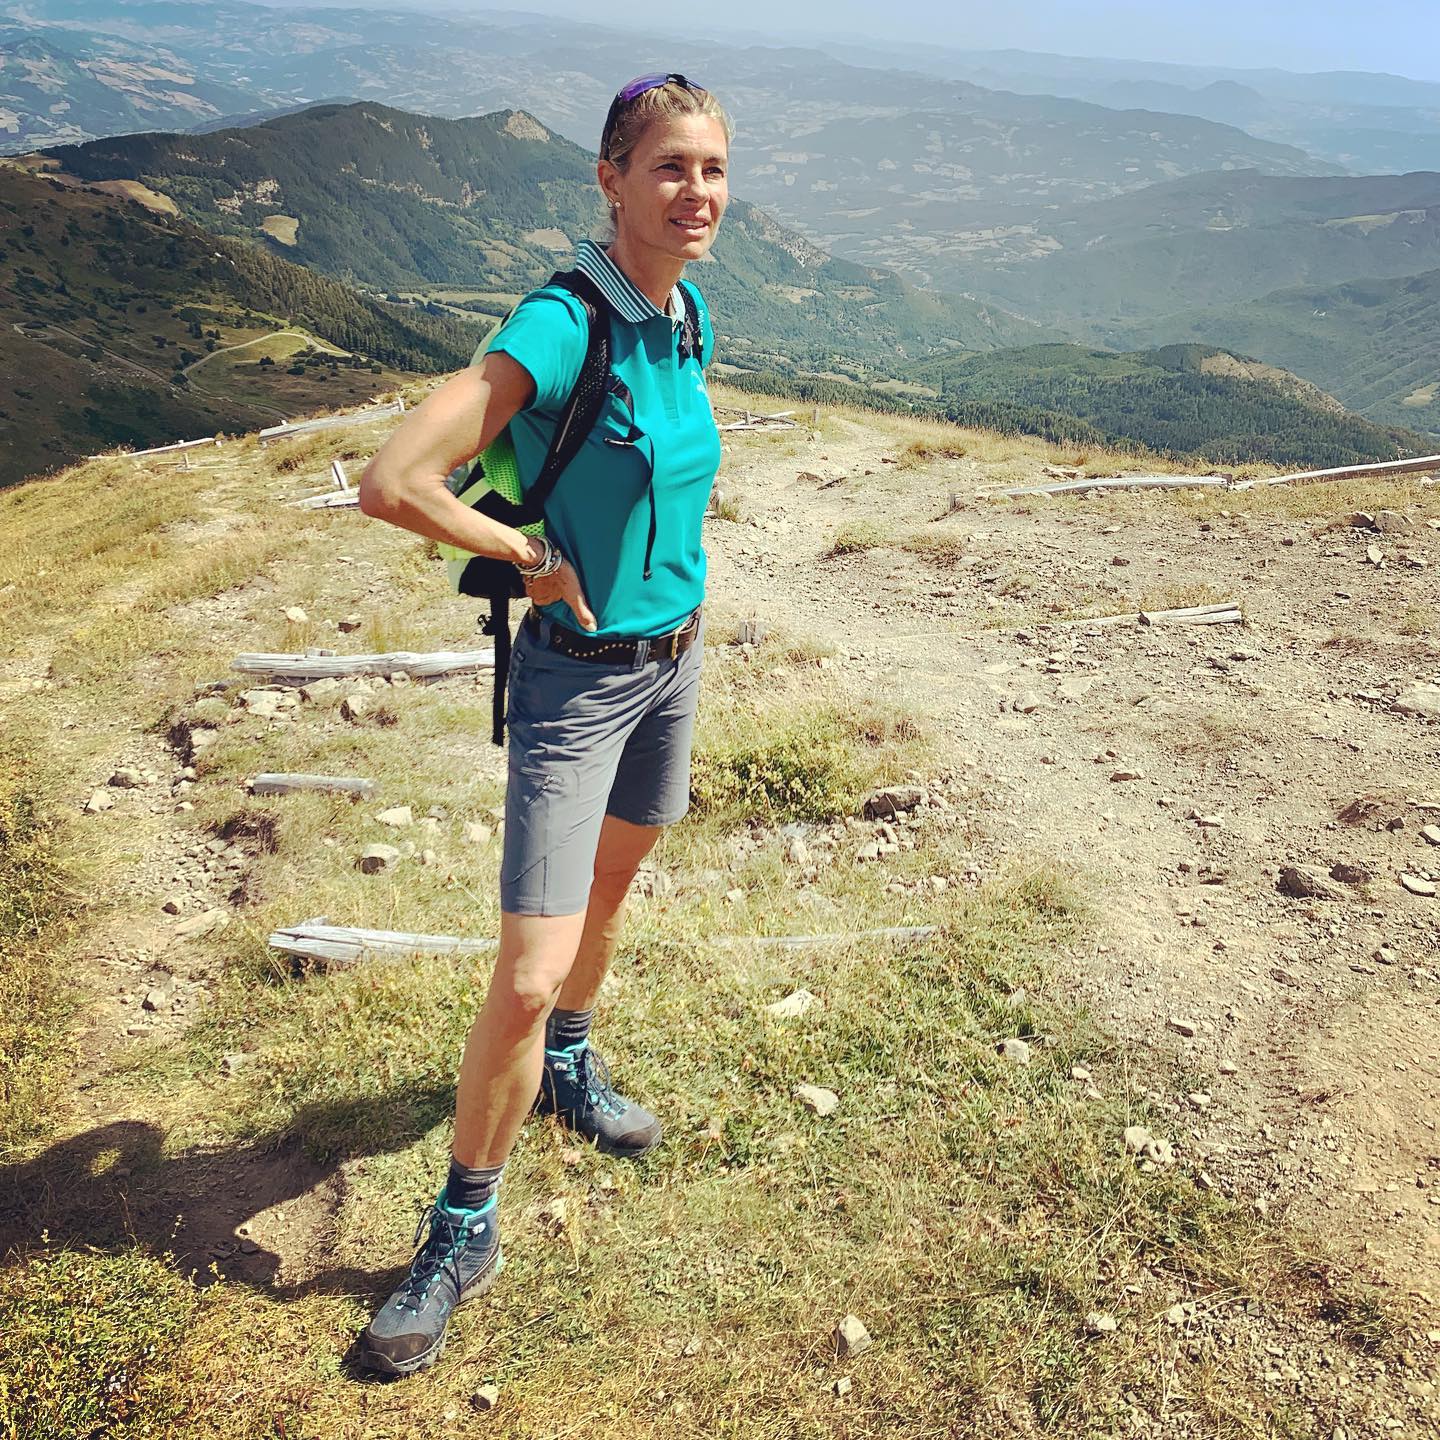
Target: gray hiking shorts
{"type": "Point", "coordinates": [588, 740]}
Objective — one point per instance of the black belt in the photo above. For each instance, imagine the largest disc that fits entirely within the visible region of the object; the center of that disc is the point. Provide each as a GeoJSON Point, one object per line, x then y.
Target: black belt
{"type": "Point", "coordinates": [616, 649]}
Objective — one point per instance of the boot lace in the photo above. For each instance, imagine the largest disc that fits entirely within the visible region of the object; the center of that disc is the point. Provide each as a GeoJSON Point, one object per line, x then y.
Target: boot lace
{"type": "Point", "coordinates": [594, 1075]}
{"type": "Point", "coordinates": [439, 1255]}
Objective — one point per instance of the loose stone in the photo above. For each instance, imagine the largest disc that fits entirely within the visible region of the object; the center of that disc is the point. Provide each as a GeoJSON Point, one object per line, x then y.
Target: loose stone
{"type": "Point", "coordinates": [851, 1337]}
{"type": "Point", "coordinates": [208, 922]}
{"type": "Point", "coordinates": [1302, 883]}
{"type": "Point", "coordinates": [376, 859]}
{"type": "Point", "coordinates": [792, 1006]}
{"type": "Point", "coordinates": [814, 1097]}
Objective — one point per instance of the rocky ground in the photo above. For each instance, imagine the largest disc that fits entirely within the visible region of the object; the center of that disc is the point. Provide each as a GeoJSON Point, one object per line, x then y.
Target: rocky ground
{"type": "Point", "coordinates": [1260, 803]}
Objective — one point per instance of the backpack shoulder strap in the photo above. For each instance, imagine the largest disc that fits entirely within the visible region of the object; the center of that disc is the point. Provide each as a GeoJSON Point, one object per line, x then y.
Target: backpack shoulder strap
{"type": "Point", "coordinates": [692, 338]}
{"type": "Point", "coordinates": [577, 420]}
{"type": "Point", "coordinates": [587, 397]}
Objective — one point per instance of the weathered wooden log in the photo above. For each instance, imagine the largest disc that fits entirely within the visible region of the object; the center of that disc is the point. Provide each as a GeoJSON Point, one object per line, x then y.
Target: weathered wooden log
{"type": "Point", "coordinates": [329, 500]}
{"type": "Point", "coordinates": [1115, 482]}
{"type": "Point", "coordinates": [1218, 617]}
{"type": "Point", "coordinates": [896, 933]}
{"type": "Point", "coordinates": [1347, 472]}
{"type": "Point", "coordinates": [338, 475]}
{"type": "Point", "coordinates": [1226, 613]}
{"type": "Point", "coordinates": [780, 420]}
{"type": "Point", "coordinates": [274, 784]}
{"type": "Point", "coordinates": [331, 422]}
{"type": "Point", "coordinates": [300, 668]}
{"type": "Point", "coordinates": [163, 449]}
{"type": "Point", "coordinates": [345, 945]}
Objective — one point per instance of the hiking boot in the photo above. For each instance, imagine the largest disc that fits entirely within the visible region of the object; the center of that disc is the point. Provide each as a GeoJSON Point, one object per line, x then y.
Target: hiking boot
{"type": "Point", "coordinates": [459, 1260]}
{"type": "Point", "coordinates": [575, 1088]}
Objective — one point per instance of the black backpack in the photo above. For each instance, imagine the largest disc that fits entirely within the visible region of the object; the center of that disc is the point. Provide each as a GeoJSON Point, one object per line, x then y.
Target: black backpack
{"type": "Point", "coordinates": [498, 581]}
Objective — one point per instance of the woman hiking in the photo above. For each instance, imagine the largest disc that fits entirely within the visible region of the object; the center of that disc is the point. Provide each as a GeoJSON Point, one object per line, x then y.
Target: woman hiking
{"type": "Point", "coordinates": [605, 671]}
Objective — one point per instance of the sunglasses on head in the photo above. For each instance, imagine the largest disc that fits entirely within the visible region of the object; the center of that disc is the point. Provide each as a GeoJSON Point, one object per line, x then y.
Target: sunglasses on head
{"type": "Point", "coordinates": [633, 91]}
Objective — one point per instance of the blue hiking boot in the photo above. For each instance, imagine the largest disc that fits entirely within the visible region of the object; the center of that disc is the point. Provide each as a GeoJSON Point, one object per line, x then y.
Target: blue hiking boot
{"type": "Point", "coordinates": [575, 1088]}
{"type": "Point", "coordinates": [459, 1260]}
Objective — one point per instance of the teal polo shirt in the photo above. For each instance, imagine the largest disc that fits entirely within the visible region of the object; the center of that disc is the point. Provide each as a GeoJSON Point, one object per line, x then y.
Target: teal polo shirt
{"type": "Point", "coordinates": [599, 511]}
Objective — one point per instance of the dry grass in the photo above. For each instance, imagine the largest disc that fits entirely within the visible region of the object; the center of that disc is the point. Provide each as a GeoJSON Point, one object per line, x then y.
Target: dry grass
{"type": "Point", "coordinates": [40, 886]}
{"type": "Point", "coordinates": [939, 546]}
{"type": "Point", "coordinates": [857, 535]}
{"type": "Point", "coordinates": [926, 439]}
{"type": "Point", "coordinates": [1419, 620]}
{"type": "Point", "coordinates": [971, 1211]}
{"type": "Point", "coordinates": [1324, 502]}
{"type": "Point", "coordinates": [920, 453]}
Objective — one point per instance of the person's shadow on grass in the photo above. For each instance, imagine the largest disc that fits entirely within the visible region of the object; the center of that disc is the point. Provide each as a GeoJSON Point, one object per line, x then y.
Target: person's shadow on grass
{"type": "Point", "coordinates": [260, 1213]}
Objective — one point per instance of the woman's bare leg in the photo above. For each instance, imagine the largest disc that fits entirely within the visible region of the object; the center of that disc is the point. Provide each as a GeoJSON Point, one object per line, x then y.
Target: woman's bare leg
{"type": "Point", "coordinates": [500, 1071]}
{"type": "Point", "coordinates": [542, 959]}
{"type": "Point", "coordinates": [622, 847]}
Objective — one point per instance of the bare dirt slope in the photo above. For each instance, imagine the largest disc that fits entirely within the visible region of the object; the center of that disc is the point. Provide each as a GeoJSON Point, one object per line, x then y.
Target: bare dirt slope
{"type": "Point", "coordinates": [1279, 743]}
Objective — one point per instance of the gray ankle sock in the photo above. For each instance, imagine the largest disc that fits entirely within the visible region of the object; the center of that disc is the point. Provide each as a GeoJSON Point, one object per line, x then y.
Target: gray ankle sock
{"type": "Point", "coordinates": [567, 1029]}
{"type": "Point", "coordinates": [468, 1189]}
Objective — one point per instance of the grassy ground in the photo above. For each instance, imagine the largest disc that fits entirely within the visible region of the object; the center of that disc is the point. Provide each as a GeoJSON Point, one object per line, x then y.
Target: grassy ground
{"type": "Point", "coordinates": [974, 1212]}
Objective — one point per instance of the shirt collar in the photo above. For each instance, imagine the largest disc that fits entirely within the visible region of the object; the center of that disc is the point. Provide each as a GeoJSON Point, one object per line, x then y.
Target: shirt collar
{"type": "Point", "coordinates": [628, 300]}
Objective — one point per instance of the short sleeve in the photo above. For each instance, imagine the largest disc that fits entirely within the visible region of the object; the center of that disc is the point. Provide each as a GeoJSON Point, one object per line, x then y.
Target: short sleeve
{"type": "Point", "coordinates": [547, 333]}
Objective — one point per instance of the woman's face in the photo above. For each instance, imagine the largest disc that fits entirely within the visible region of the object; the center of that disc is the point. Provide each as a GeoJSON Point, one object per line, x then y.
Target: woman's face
{"type": "Point", "coordinates": [674, 190]}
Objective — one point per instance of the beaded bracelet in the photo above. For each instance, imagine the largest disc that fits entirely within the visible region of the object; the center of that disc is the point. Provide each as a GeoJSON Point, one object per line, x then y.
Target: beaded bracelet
{"type": "Point", "coordinates": [547, 564]}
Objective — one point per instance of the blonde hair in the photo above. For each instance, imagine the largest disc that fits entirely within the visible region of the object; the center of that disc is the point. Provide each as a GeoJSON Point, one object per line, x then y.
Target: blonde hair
{"type": "Point", "coordinates": [664, 102]}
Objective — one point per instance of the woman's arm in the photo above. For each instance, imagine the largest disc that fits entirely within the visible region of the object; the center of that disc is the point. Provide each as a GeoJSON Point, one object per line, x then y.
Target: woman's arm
{"type": "Point", "coordinates": [405, 482]}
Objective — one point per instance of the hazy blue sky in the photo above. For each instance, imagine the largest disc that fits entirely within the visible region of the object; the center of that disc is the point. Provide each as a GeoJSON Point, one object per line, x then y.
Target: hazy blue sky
{"type": "Point", "coordinates": [1401, 37]}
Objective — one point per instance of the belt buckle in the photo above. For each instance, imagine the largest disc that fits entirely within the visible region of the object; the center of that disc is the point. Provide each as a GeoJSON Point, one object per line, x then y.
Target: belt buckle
{"type": "Point", "coordinates": [669, 645]}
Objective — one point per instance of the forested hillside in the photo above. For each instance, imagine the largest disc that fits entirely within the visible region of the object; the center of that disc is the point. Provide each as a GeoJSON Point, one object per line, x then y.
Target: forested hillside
{"type": "Point", "coordinates": [106, 310]}
{"type": "Point", "coordinates": [1181, 399]}
{"type": "Point", "coordinates": [1374, 343]}
{"type": "Point", "coordinates": [1113, 270]}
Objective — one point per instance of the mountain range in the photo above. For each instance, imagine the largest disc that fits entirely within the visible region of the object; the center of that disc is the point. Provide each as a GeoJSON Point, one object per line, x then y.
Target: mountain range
{"type": "Point", "coordinates": [1364, 122]}
{"type": "Point", "coordinates": [895, 206]}
{"type": "Point", "coordinates": [467, 215]}
{"type": "Point", "coordinates": [477, 211]}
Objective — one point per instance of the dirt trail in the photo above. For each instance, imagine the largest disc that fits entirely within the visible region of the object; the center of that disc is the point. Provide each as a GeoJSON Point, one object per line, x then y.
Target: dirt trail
{"type": "Point", "coordinates": [1316, 1021]}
